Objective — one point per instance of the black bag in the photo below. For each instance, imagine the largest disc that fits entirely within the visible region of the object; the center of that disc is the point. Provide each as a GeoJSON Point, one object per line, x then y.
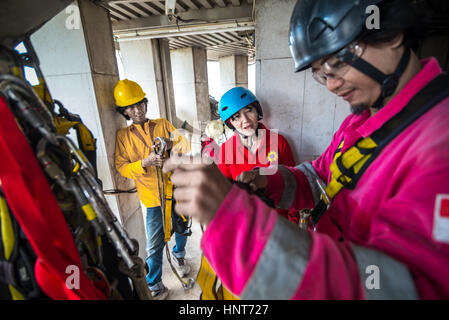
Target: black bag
{"type": "Point", "coordinates": [180, 226]}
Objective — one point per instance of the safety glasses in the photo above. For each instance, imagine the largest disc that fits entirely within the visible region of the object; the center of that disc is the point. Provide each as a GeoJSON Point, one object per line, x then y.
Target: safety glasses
{"type": "Point", "coordinates": [338, 64]}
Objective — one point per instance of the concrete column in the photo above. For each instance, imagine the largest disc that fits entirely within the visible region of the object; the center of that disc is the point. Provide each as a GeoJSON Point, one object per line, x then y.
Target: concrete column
{"type": "Point", "coordinates": [306, 113]}
{"type": "Point", "coordinates": [79, 64]}
{"type": "Point", "coordinates": [165, 84]}
{"type": "Point", "coordinates": [233, 72]}
{"type": "Point", "coordinates": [140, 64]}
{"type": "Point", "coordinates": [191, 91]}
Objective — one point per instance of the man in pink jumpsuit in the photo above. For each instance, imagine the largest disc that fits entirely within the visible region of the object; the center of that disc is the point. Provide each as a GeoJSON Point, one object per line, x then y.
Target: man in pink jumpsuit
{"type": "Point", "coordinates": [385, 238]}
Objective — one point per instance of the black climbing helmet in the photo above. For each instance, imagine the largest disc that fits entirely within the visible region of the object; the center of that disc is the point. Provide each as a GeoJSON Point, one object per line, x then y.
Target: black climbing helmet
{"type": "Point", "coordinates": [322, 27]}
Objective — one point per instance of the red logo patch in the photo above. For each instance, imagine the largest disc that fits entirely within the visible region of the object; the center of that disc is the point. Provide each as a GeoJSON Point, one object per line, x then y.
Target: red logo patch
{"type": "Point", "coordinates": [444, 209]}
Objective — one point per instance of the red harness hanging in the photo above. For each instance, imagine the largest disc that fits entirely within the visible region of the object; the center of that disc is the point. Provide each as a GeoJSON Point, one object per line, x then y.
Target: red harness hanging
{"type": "Point", "coordinates": [35, 207]}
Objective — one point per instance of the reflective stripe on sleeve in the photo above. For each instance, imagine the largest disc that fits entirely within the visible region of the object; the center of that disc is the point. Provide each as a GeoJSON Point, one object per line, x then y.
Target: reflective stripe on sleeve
{"type": "Point", "coordinates": [309, 171]}
{"type": "Point", "coordinates": [290, 186]}
{"type": "Point", "coordinates": [383, 278]}
{"type": "Point", "coordinates": [281, 265]}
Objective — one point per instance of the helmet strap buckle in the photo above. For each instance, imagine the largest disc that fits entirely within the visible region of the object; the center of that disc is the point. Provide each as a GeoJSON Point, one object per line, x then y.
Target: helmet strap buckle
{"type": "Point", "coordinates": [389, 85]}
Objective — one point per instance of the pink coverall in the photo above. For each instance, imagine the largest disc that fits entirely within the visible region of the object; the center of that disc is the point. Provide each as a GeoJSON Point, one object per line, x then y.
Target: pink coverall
{"type": "Point", "coordinates": [388, 221]}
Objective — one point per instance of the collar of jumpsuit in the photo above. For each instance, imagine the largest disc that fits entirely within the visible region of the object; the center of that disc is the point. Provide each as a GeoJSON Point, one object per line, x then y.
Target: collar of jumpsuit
{"type": "Point", "coordinates": [244, 153]}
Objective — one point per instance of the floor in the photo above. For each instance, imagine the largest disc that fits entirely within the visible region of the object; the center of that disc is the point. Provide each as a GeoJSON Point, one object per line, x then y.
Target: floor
{"type": "Point", "coordinates": [193, 258]}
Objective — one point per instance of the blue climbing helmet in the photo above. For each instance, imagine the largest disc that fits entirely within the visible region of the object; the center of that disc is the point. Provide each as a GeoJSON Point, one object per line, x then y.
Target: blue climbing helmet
{"type": "Point", "coordinates": [234, 100]}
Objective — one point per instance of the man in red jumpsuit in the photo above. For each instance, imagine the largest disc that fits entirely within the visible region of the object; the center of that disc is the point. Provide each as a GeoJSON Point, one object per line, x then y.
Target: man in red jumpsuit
{"type": "Point", "coordinates": [379, 193]}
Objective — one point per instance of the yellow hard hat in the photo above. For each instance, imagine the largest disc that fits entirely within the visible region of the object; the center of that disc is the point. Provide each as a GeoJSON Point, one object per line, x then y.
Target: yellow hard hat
{"type": "Point", "coordinates": [127, 92]}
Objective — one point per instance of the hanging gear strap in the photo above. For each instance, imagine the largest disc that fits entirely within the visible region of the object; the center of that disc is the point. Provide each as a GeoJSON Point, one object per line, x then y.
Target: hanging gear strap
{"type": "Point", "coordinates": [37, 211]}
{"type": "Point", "coordinates": [347, 168]}
{"type": "Point", "coordinates": [86, 140]}
{"type": "Point", "coordinates": [168, 208]}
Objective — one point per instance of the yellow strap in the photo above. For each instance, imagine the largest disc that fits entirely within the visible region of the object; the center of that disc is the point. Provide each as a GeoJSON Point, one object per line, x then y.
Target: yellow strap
{"type": "Point", "coordinates": [89, 211]}
{"type": "Point", "coordinates": [168, 208]}
{"type": "Point", "coordinates": [87, 140]}
{"type": "Point", "coordinates": [77, 167]}
{"type": "Point", "coordinates": [63, 126]}
{"type": "Point", "coordinates": [8, 238]}
{"type": "Point", "coordinates": [352, 158]}
{"type": "Point", "coordinates": [206, 279]}
{"type": "Point", "coordinates": [18, 72]}
{"type": "Point", "coordinates": [15, 294]}
{"type": "Point", "coordinates": [41, 90]}
{"type": "Point", "coordinates": [81, 154]}
{"type": "Point", "coordinates": [227, 295]}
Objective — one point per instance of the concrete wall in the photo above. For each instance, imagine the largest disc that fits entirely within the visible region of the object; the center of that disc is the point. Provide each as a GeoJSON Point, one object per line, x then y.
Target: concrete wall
{"type": "Point", "coordinates": [301, 109]}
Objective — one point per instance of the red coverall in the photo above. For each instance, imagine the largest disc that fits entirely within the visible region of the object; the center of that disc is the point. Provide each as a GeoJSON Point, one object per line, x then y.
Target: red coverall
{"type": "Point", "coordinates": [235, 158]}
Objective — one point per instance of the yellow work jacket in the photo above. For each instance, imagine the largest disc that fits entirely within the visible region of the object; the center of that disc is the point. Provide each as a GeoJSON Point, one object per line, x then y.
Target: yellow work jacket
{"type": "Point", "coordinates": [130, 151]}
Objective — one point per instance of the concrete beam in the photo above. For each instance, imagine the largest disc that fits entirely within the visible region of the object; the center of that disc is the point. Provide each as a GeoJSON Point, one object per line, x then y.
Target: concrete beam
{"type": "Point", "coordinates": [206, 4]}
{"type": "Point", "coordinates": [191, 5]}
{"type": "Point", "coordinates": [167, 32]}
{"type": "Point", "coordinates": [126, 1]}
{"type": "Point", "coordinates": [242, 12]}
{"type": "Point", "coordinates": [220, 3]}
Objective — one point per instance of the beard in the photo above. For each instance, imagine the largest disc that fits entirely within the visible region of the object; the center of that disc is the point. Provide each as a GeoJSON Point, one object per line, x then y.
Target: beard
{"type": "Point", "coordinates": [359, 108]}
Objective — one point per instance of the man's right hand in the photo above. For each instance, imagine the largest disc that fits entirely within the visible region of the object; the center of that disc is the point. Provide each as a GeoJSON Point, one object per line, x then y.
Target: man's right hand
{"type": "Point", "coordinates": [254, 179]}
{"type": "Point", "coordinates": [152, 160]}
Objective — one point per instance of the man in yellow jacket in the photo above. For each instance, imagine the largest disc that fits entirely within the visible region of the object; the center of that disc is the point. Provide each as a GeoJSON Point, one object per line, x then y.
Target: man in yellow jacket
{"type": "Point", "coordinates": [135, 159]}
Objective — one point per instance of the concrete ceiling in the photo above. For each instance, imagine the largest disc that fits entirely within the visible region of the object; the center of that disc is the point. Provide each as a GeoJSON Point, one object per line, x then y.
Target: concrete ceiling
{"type": "Point", "coordinates": [20, 18]}
{"type": "Point", "coordinates": [223, 27]}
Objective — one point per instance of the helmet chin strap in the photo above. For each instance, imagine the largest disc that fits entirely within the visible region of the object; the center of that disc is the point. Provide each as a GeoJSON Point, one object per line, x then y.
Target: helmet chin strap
{"type": "Point", "coordinates": [388, 83]}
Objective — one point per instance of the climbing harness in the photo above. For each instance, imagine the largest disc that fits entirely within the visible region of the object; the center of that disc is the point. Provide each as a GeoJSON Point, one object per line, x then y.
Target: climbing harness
{"type": "Point", "coordinates": [166, 200]}
{"type": "Point", "coordinates": [348, 167]}
{"type": "Point", "coordinates": [53, 200]}
{"type": "Point", "coordinates": [159, 146]}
